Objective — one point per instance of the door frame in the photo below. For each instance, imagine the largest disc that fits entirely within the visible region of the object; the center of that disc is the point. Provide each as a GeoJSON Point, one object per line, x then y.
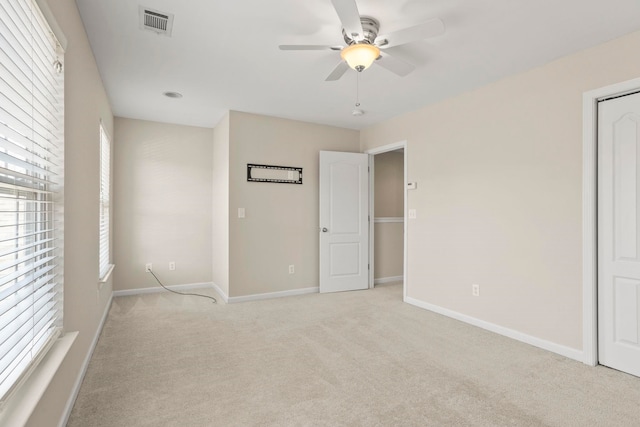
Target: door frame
{"type": "Point", "coordinates": [590, 101]}
{"type": "Point", "coordinates": [405, 264]}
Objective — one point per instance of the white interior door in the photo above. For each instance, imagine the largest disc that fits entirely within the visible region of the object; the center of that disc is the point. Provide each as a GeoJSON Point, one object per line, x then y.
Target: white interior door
{"type": "Point", "coordinates": [344, 221]}
{"type": "Point", "coordinates": [619, 233]}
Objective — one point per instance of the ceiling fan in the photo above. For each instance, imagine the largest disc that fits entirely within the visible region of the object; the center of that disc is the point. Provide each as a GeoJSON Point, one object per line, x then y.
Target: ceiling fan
{"type": "Point", "coordinates": [365, 46]}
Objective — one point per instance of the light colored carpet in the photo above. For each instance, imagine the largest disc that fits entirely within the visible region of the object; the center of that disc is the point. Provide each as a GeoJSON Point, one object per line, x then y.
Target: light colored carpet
{"type": "Point", "coordinates": [348, 359]}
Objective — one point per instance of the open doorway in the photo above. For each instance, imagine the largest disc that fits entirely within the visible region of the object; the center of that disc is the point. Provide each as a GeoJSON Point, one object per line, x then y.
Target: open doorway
{"type": "Point", "coordinates": [387, 184]}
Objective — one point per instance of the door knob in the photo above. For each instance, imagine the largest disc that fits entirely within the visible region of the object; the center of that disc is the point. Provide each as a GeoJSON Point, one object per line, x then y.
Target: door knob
{"type": "Point", "coordinates": [324, 229]}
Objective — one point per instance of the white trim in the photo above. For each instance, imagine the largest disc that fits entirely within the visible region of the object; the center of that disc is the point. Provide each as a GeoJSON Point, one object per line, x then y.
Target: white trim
{"type": "Point", "coordinates": [562, 350]}
{"type": "Point", "coordinates": [405, 261]}
{"type": "Point", "coordinates": [388, 219]}
{"type": "Point", "coordinates": [386, 148]}
{"type": "Point", "coordinates": [103, 125]}
{"type": "Point", "coordinates": [270, 295]}
{"type": "Point", "coordinates": [76, 386]}
{"type": "Point", "coordinates": [372, 230]}
{"type": "Point", "coordinates": [589, 213]}
{"type": "Point", "coordinates": [218, 290]}
{"type": "Point", "coordinates": [17, 410]}
{"type": "Point", "coordinates": [589, 232]}
{"type": "Point", "coordinates": [401, 145]}
{"type": "Point", "coordinates": [383, 280]}
{"type": "Point", "coordinates": [105, 279]}
{"type": "Point", "coordinates": [156, 289]}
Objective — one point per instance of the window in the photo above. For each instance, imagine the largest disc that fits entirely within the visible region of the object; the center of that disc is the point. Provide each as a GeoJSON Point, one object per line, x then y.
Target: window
{"type": "Point", "coordinates": [31, 184]}
{"type": "Point", "coordinates": [105, 178]}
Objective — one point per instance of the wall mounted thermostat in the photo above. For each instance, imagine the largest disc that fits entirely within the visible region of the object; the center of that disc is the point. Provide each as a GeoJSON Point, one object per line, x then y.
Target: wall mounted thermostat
{"type": "Point", "coordinates": [412, 185]}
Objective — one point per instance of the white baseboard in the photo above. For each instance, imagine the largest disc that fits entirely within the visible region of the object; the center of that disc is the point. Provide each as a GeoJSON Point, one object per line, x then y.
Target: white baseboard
{"type": "Point", "coordinates": [227, 299]}
{"type": "Point", "coordinates": [156, 289]}
{"type": "Point", "coordinates": [383, 280]}
{"type": "Point", "coordinates": [224, 296]}
{"type": "Point", "coordinates": [270, 295]}
{"type": "Point", "coordinates": [562, 350]}
{"type": "Point", "coordinates": [85, 364]}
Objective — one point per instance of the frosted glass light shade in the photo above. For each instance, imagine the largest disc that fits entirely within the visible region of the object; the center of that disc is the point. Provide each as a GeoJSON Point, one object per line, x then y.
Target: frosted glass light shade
{"type": "Point", "coordinates": [360, 56]}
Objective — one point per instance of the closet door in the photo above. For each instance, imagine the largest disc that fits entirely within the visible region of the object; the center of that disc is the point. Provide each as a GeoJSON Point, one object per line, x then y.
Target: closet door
{"type": "Point", "coordinates": [619, 233]}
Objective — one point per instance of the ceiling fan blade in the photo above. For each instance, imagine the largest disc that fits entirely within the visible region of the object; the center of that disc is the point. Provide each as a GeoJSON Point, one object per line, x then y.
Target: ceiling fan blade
{"type": "Point", "coordinates": [307, 47]}
{"type": "Point", "coordinates": [432, 28]}
{"type": "Point", "coordinates": [350, 17]}
{"type": "Point", "coordinates": [337, 72]}
{"type": "Point", "coordinates": [395, 65]}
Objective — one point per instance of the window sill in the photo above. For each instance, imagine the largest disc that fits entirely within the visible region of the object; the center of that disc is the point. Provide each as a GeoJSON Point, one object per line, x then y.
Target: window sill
{"type": "Point", "coordinates": [20, 406]}
{"type": "Point", "coordinates": [105, 279]}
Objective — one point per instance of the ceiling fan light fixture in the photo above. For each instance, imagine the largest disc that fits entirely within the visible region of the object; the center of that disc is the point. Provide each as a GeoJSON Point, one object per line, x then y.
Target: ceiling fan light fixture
{"type": "Point", "coordinates": [360, 56]}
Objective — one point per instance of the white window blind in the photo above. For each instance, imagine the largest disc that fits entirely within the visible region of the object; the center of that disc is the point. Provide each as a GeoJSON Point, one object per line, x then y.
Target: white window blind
{"type": "Point", "coordinates": [31, 183]}
{"type": "Point", "coordinates": [105, 190]}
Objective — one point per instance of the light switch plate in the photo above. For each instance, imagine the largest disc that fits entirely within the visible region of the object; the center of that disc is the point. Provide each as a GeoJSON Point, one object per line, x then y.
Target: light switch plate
{"type": "Point", "coordinates": [412, 185]}
{"type": "Point", "coordinates": [241, 213]}
{"type": "Point", "coordinates": [413, 214]}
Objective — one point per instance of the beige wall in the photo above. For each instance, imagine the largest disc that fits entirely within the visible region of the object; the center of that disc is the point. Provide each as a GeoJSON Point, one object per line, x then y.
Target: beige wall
{"type": "Point", "coordinates": [86, 104]}
{"type": "Point", "coordinates": [220, 208]}
{"type": "Point", "coordinates": [389, 249]}
{"type": "Point", "coordinates": [389, 184]}
{"type": "Point", "coordinates": [499, 193]}
{"type": "Point", "coordinates": [281, 224]}
{"type": "Point", "coordinates": [162, 203]}
{"type": "Point", "coordinates": [389, 202]}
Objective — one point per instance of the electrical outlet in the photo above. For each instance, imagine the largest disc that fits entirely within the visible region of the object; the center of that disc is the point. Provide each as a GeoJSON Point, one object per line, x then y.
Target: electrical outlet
{"type": "Point", "coordinates": [148, 267]}
{"type": "Point", "coordinates": [172, 266]}
{"type": "Point", "coordinates": [475, 290]}
{"type": "Point", "coordinates": [413, 214]}
{"type": "Point", "coordinates": [292, 269]}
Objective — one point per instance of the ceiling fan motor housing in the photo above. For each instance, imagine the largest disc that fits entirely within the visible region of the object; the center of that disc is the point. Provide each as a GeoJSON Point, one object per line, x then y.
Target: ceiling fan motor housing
{"type": "Point", "coordinates": [370, 28]}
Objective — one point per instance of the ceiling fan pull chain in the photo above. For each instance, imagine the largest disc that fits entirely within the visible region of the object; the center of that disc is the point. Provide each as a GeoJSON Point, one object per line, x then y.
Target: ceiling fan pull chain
{"type": "Point", "coordinates": [357, 111]}
{"type": "Point", "coordinates": [357, 89]}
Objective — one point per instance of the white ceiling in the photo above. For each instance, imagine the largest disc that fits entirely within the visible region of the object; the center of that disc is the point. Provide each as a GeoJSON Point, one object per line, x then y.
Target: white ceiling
{"type": "Point", "coordinates": [224, 54]}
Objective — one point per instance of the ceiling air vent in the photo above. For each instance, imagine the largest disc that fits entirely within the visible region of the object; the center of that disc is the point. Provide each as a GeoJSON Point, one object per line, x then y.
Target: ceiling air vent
{"type": "Point", "coordinates": [156, 21]}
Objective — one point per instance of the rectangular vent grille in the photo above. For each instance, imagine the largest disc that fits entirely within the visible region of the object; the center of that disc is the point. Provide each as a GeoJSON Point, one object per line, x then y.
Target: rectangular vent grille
{"type": "Point", "coordinates": [156, 21]}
